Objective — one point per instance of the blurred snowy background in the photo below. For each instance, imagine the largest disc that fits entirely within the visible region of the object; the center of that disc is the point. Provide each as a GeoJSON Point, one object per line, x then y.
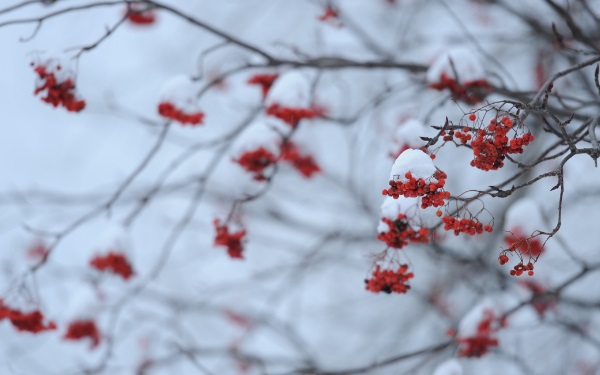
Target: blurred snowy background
{"type": "Point", "coordinates": [296, 303]}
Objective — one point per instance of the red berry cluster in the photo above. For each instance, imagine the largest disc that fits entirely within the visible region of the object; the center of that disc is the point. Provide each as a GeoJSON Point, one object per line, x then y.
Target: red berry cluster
{"type": "Point", "coordinates": [139, 14]}
{"type": "Point", "coordinates": [305, 164]}
{"type": "Point", "coordinates": [58, 93]}
{"type": "Point", "coordinates": [82, 329]}
{"type": "Point", "coordinates": [491, 145]}
{"type": "Point", "coordinates": [464, 137]}
{"type": "Point", "coordinates": [232, 241]}
{"type": "Point", "coordinates": [480, 344]}
{"type": "Point", "coordinates": [463, 91]}
{"type": "Point", "coordinates": [464, 225]}
{"type": "Point", "coordinates": [520, 268]}
{"type": "Point", "coordinates": [32, 322]}
{"type": "Point", "coordinates": [169, 110]}
{"type": "Point", "coordinates": [256, 161]}
{"type": "Point", "coordinates": [432, 193]}
{"type": "Point", "coordinates": [388, 281]}
{"type": "Point", "coordinates": [292, 116]}
{"type": "Point", "coordinates": [113, 262]}
{"type": "Point", "coordinates": [265, 81]}
{"type": "Point", "coordinates": [401, 233]}
{"type": "Point", "coordinates": [526, 246]}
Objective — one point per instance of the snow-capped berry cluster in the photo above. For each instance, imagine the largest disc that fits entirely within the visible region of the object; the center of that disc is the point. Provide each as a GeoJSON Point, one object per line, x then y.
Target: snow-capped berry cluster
{"type": "Point", "coordinates": [59, 89]}
{"type": "Point", "coordinates": [464, 225]}
{"type": "Point", "coordinates": [480, 343]}
{"type": "Point", "coordinates": [430, 191]}
{"type": "Point", "coordinates": [491, 145]}
{"type": "Point", "coordinates": [305, 164]}
{"type": "Point", "coordinates": [526, 246]}
{"type": "Point", "coordinates": [400, 233]}
{"type": "Point", "coordinates": [114, 262]}
{"type": "Point", "coordinates": [232, 241]}
{"type": "Point", "coordinates": [470, 92]}
{"type": "Point", "coordinates": [292, 116]}
{"type": "Point", "coordinates": [83, 329]}
{"type": "Point", "coordinates": [389, 281]}
{"type": "Point", "coordinates": [257, 161]}
{"type": "Point", "coordinates": [139, 14]}
{"type": "Point", "coordinates": [32, 322]}
{"type": "Point", "coordinates": [265, 81]}
{"type": "Point", "coordinates": [169, 110]}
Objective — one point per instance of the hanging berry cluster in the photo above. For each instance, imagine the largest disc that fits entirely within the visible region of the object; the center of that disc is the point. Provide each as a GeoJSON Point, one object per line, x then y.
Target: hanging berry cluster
{"type": "Point", "coordinates": [491, 145]}
{"type": "Point", "coordinates": [114, 262]}
{"type": "Point", "coordinates": [470, 92]}
{"type": "Point", "coordinates": [479, 344]}
{"type": "Point", "coordinates": [520, 268]}
{"type": "Point", "coordinates": [305, 164]}
{"type": "Point", "coordinates": [139, 14]}
{"type": "Point", "coordinates": [388, 281]}
{"type": "Point", "coordinates": [169, 110]}
{"type": "Point", "coordinates": [265, 81]}
{"type": "Point", "coordinates": [32, 322]}
{"type": "Point", "coordinates": [526, 246]}
{"type": "Point", "coordinates": [400, 233]}
{"type": "Point", "coordinates": [57, 92]}
{"type": "Point", "coordinates": [464, 225]}
{"type": "Point", "coordinates": [83, 329]}
{"type": "Point", "coordinates": [256, 162]}
{"type": "Point", "coordinates": [430, 191]}
{"type": "Point", "coordinates": [292, 116]}
{"type": "Point", "coordinates": [232, 241]}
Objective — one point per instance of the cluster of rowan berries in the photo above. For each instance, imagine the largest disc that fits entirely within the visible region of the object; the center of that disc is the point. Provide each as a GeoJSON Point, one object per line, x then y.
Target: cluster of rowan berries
{"type": "Point", "coordinates": [479, 344]}
{"type": "Point", "coordinates": [139, 14]}
{"type": "Point", "coordinates": [430, 191]}
{"type": "Point", "coordinates": [169, 110]}
{"type": "Point", "coordinates": [114, 262]}
{"type": "Point", "coordinates": [389, 281]}
{"type": "Point", "coordinates": [520, 268]}
{"type": "Point", "coordinates": [400, 233]}
{"type": "Point", "coordinates": [82, 329]}
{"type": "Point", "coordinates": [462, 91]}
{"type": "Point", "coordinates": [32, 322]}
{"type": "Point", "coordinates": [526, 246]}
{"type": "Point", "coordinates": [57, 92]}
{"type": "Point", "coordinates": [265, 81]}
{"type": "Point", "coordinates": [464, 225]}
{"type": "Point", "coordinates": [232, 241]}
{"type": "Point", "coordinates": [463, 136]}
{"type": "Point", "coordinates": [257, 161]}
{"type": "Point", "coordinates": [305, 164]}
{"type": "Point", "coordinates": [292, 116]}
{"type": "Point", "coordinates": [491, 146]}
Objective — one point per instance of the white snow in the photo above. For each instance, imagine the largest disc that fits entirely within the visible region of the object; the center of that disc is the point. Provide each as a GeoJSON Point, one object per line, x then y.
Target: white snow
{"type": "Point", "coordinates": [291, 89]}
{"type": "Point", "coordinates": [450, 367]}
{"type": "Point", "coordinates": [181, 92]}
{"type": "Point", "coordinates": [418, 163]}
